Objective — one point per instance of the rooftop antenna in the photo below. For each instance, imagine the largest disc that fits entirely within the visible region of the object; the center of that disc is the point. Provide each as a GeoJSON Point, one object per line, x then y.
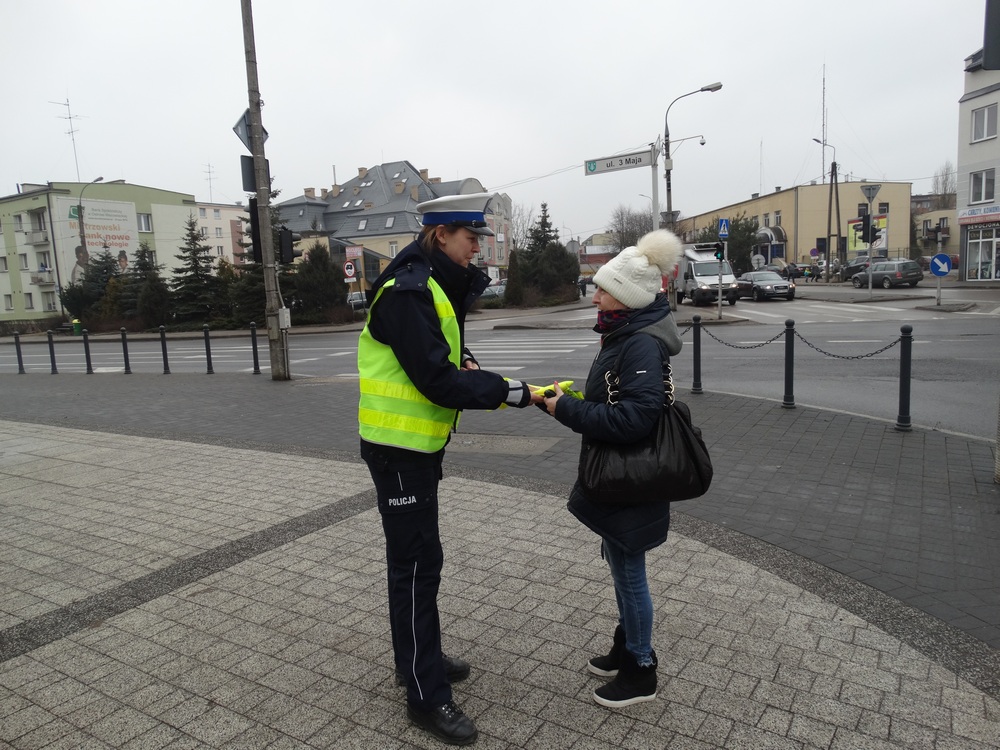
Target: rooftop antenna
{"type": "Point", "coordinates": [209, 173]}
{"type": "Point", "coordinates": [71, 132]}
{"type": "Point", "coordinates": [823, 156]}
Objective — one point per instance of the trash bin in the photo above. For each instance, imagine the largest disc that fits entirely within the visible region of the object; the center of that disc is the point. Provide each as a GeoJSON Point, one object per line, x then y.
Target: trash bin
{"type": "Point", "coordinates": [77, 327]}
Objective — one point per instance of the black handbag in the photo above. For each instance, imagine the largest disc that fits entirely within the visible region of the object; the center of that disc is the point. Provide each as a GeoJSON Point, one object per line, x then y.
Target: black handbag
{"type": "Point", "coordinates": [669, 464]}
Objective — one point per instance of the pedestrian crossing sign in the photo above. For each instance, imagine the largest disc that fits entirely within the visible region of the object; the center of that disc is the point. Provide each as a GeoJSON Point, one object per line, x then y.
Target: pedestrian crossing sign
{"type": "Point", "coordinates": [723, 229]}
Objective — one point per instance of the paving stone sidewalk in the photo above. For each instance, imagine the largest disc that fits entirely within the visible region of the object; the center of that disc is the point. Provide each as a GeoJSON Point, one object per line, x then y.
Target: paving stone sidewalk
{"type": "Point", "coordinates": [164, 593]}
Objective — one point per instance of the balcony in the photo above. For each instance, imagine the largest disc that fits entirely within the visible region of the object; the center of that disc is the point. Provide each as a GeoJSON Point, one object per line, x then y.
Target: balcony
{"type": "Point", "coordinates": [43, 278]}
{"type": "Point", "coordinates": [38, 237]}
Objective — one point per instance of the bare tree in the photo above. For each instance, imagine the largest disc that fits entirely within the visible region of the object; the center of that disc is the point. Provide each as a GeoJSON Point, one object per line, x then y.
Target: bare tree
{"type": "Point", "coordinates": [521, 221]}
{"type": "Point", "coordinates": [943, 187]}
{"type": "Point", "coordinates": [627, 226]}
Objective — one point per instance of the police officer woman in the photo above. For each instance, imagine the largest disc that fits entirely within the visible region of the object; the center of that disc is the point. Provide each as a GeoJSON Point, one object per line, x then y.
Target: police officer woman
{"type": "Point", "coordinates": [416, 375]}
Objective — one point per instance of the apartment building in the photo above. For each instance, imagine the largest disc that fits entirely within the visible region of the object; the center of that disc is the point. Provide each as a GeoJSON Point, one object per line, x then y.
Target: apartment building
{"type": "Point", "coordinates": [978, 158]}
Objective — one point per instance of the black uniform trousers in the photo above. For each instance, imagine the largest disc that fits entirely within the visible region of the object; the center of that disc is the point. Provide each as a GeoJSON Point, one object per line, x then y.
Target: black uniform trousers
{"type": "Point", "coordinates": [406, 483]}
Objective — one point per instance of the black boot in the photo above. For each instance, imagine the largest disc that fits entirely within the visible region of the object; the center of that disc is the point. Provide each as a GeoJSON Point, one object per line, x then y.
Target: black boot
{"type": "Point", "coordinates": [632, 684]}
{"type": "Point", "coordinates": [607, 666]}
{"type": "Point", "coordinates": [447, 722]}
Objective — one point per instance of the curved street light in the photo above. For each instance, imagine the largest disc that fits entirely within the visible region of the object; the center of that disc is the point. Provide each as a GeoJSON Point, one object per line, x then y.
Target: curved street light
{"type": "Point", "coordinates": [824, 144]}
{"type": "Point", "coordinates": [79, 213]}
{"type": "Point", "coordinates": [667, 164]}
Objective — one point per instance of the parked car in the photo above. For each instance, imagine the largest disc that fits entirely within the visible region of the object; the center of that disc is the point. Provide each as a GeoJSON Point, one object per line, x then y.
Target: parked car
{"type": "Point", "coordinates": [761, 285]}
{"type": "Point", "coordinates": [786, 271]}
{"type": "Point", "coordinates": [853, 266]}
{"type": "Point", "coordinates": [890, 273]}
{"type": "Point", "coordinates": [357, 301]}
{"type": "Point", "coordinates": [494, 291]}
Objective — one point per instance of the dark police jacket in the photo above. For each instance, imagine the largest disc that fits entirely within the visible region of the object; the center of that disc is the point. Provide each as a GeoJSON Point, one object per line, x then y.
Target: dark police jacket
{"type": "Point", "coordinates": [644, 343]}
{"type": "Point", "coordinates": [404, 318]}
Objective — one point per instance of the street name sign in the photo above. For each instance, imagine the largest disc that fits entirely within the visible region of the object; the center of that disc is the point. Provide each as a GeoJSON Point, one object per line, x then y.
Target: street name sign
{"type": "Point", "coordinates": [622, 161]}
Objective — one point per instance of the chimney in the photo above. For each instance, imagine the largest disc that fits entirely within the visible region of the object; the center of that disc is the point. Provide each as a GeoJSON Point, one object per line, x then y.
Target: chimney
{"type": "Point", "coordinates": [335, 191]}
{"type": "Point", "coordinates": [323, 192]}
{"type": "Point", "coordinates": [423, 175]}
{"type": "Point", "coordinates": [777, 189]}
{"type": "Point", "coordinates": [398, 188]}
{"type": "Point", "coordinates": [754, 196]}
{"type": "Point", "coordinates": [362, 172]}
{"type": "Point", "coordinates": [414, 193]}
{"type": "Point", "coordinates": [435, 180]}
{"type": "Point", "coordinates": [309, 192]}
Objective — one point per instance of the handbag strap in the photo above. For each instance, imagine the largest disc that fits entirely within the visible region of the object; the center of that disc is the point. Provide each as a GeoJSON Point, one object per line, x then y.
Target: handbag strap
{"type": "Point", "coordinates": [612, 381]}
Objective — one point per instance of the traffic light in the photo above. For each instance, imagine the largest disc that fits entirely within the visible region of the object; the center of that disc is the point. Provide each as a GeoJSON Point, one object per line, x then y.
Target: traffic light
{"type": "Point", "coordinates": [866, 228]}
{"type": "Point", "coordinates": [720, 251]}
{"type": "Point", "coordinates": [286, 242]}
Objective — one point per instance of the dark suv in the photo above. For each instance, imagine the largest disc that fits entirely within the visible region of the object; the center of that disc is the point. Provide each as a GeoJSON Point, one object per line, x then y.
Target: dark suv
{"type": "Point", "coordinates": [890, 273]}
{"type": "Point", "coordinates": [852, 267]}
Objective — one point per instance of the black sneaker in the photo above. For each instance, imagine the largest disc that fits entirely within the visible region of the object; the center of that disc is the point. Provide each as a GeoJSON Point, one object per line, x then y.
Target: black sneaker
{"type": "Point", "coordinates": [455, 670]}
{"type": "Point", "coordinates": [446, 722]}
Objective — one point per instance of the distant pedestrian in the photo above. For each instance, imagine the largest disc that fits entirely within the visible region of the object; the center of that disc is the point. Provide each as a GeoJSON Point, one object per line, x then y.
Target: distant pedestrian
{"type": "Point", "coordinates": [807, 274]}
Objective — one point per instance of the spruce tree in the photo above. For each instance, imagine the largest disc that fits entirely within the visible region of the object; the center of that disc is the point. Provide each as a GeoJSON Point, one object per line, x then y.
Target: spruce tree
{"type": "Point", "coordinates": [319, 286]}
{"type": "Point", "coordinates": [194, 287]}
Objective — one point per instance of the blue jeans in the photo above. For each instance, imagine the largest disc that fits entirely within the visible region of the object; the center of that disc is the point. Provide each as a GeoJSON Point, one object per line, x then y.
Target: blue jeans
{"type": "Point", "coordinates": [635, 605]}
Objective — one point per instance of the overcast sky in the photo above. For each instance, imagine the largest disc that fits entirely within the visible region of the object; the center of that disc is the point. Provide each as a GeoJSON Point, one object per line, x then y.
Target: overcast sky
{"type": "Point", "coordinates": [517, 94]}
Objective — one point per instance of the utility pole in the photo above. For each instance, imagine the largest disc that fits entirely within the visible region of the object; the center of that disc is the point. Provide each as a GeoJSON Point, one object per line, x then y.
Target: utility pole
{"type": "Point", "coordinates": [275, 312]}
{"type": "Point", "coordinates": [834, 195]}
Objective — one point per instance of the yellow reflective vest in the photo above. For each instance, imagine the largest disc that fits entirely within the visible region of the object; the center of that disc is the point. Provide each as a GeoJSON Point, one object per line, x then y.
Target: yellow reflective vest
{"type": "Point", "coordinates": [391, 410]}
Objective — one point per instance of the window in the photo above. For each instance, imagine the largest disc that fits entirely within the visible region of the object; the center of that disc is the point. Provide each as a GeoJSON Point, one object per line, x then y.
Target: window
{"type": "Point", "coordinates": [145, 222]}
{"type": "Point", "coordinates": [862, 209]}
{"type": "Point", "coordinates": [883, 208]}
{"type": "Point", "coordinates": [216, 213]}
{"type": "Point", "coordinates": [3, 264]}
{"type": "Point", "coordinates": [18, 223]}
{"type": "Point", "coordinates": [777, 218]}
{"type": "Point", "coordinates": [8, 302]}
{"type": "Point", "coordinates": [362, 224]}
{"type": "Point", "coordinates": [202, 213]}
{"type": "Point", "coordinates": [29, 301]}
{"type": "Point", "coordinates": [203, 233]}
{"type": "Point", "coordinates": [927, 226]}
{"type": "Point", "coordinates": [346, 204]}
{"type": "Point", "coordinates": [23, 257]}
{"type": "Point", "coordinates": [152, 257]}
{"type": "Point", "coordinates": [981, 186]}
{"type": "Point", "coordinates": [44, 261]}
{"type": "Point", "coordinates": [218, 231]}
{"type": "Point", "coordinates": [389, 222]}
{"type": "Point", "coordinates": [49, 301]}
{"type": "Point", "coordinates": [393, 249]}
{"type": "Point", "coordinates": [984, 123]}
{"type": "Point", "coordinates": [359, 201]}
{"type": "Point", "coordinates": [767, 220]}
{"type": "Point", "coordinates": [943, 222]}
{"type": "Point", "coordinates": [219, 250]}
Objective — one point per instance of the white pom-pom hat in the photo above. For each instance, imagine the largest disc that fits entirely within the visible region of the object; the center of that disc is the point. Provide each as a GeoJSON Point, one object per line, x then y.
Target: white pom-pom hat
{"type": "Point", "coordinates": [635, 275]}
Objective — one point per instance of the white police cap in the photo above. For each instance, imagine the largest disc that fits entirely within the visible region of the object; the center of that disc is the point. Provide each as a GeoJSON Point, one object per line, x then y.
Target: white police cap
{"type": "Point", "coordinates": [466, 211]}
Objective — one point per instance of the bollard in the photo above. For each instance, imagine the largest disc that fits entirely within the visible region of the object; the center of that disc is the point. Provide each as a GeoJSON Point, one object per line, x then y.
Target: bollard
{"type": "Point", "coordinates": [52, 354]}
{"type": "Point", "coordinates": [696, 353]}
{"type": "Point", "coordinates": [788, 402]}
{"type": "Point", "coordinates": [905, 357]}
{"type": "Point", "coordinates": [128, 370]}
{"type": "Point", "coordinates": [17, 348]}
{"type": "Point", "coordinates": [163, 348]}
{"type": "Point", "coordinates": [86, 350]}
{"type": "Point", "coordinates": [208, 351]}
{"type": "Point", "coordinates": [253, 343]}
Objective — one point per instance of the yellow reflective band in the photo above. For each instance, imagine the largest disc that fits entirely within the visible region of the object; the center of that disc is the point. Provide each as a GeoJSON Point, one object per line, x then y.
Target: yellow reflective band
{"type": "Point", "coordinates": [405, 391]}
{"type": "Point", "coordinates": [401, 423]}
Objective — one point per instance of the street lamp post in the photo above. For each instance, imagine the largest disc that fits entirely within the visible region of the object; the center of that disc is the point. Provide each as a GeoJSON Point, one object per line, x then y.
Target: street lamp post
{"type": "Point", "coordinates": [79, 213]}
{"type": "Point", "coordinates": [667, 164]}
{"type": "Point", "coordinates": [834, 191]}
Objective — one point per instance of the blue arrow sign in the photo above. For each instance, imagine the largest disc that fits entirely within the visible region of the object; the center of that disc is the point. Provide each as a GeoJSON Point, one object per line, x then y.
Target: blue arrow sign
{"type": "Point", "coordinates": [723, 229]}
{"type": "Point", "coordinates": [941, 264]}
